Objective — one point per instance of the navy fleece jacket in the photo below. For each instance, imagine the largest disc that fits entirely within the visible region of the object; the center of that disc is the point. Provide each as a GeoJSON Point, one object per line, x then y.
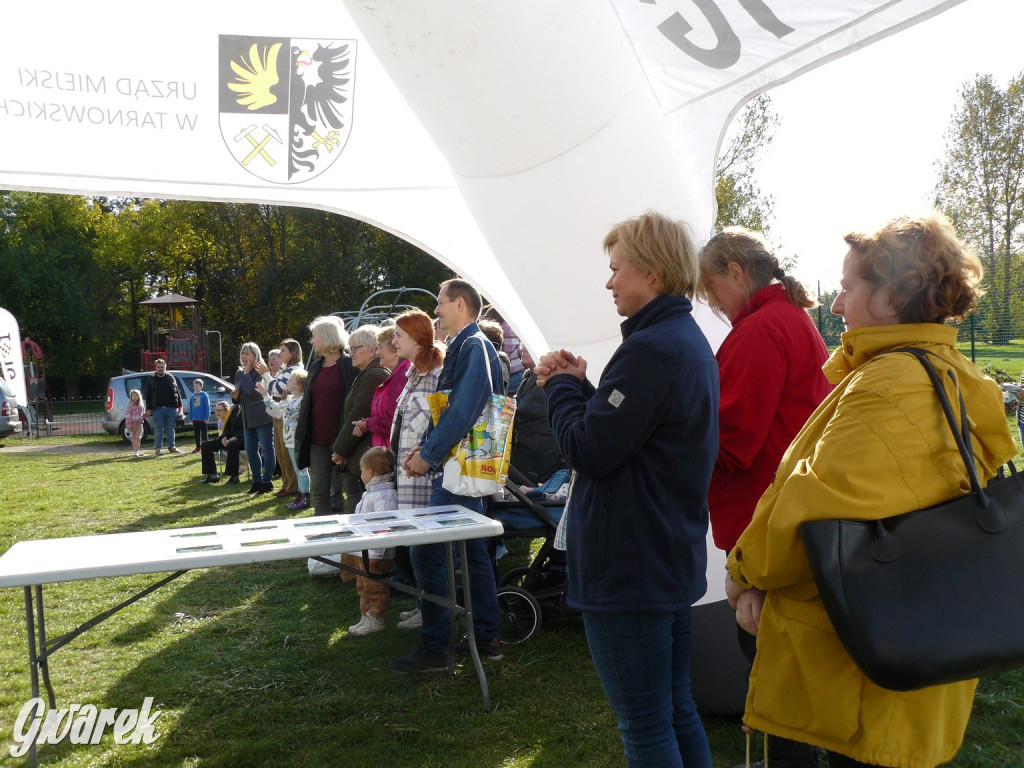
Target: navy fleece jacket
{"type": "Point", "coordinates": [643, 444]}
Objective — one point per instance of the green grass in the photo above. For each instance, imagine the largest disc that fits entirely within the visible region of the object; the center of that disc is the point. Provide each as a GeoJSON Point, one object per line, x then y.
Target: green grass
{"type": "Point", "coordinates": [1005, 357]}
{"type": "Point", "coordinates": [252, 665]}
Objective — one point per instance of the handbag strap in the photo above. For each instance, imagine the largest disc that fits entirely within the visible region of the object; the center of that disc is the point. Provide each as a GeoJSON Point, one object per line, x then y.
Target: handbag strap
{"type": "Point", "coordinates": [962, 434]}
{"type": "Point", "coordinates": [487, 362]}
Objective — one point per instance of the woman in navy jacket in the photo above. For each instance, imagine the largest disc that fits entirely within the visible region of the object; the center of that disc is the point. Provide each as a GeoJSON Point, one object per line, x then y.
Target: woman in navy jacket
{"type": "Point", "coordinates": [643, 445]}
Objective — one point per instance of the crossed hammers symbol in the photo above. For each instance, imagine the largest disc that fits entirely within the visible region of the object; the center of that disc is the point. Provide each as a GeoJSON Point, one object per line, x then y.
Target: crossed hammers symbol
{"type": "Point", "coordinates": [258, 147]}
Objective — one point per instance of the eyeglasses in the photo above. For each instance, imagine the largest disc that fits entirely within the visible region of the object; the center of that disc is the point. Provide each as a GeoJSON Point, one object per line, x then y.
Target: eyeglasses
{"type": "Point", "coordinates": [352, 350]}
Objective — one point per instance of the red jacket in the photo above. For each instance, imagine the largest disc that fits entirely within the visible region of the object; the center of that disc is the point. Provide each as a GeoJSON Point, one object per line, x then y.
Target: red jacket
{"type": "Point", "coordinates": [769, 367]}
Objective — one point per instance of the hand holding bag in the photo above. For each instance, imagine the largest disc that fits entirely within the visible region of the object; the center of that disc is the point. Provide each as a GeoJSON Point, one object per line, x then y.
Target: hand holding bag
{"type": "Point", "coordinates": [931, 596]}
{"type": "Point", "coordinates": [479, 464]}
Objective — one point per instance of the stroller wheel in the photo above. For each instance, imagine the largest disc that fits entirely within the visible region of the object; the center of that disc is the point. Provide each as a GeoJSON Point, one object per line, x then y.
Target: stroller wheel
{"type": "Point", "coordinates": [514, 578]}
{"type": "Point", "coordinates": [519, 615]}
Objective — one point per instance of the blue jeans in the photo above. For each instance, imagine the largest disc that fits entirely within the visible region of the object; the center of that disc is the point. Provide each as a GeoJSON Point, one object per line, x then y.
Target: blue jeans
{"type": "Point", "coordinates": [257, 440]}
{"type": "Point", "coordinates": [643, 660]}
{"type": "Point", "coordinates": [163, 421]}
{"type": "Point", "coordinates": [429, 566]}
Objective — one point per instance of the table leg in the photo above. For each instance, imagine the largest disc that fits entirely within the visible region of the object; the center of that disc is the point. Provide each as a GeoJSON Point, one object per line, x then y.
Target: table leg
{"type": "Point", "coordinates": [44, 660]}
{"type": "Point", "coordinates": [32, 659]}
{"type": "Point", "coordinates": [467, 614]}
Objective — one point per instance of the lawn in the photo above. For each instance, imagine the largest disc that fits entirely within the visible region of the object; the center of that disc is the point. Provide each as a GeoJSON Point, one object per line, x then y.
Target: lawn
{"type": "Point", "coordinates": [1004, 357]}
{"type": "Point", "coordinates": [253, 666]}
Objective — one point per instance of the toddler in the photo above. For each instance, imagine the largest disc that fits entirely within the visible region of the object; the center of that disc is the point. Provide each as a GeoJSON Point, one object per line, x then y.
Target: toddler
{"type": "Point", "coordinates": [378, 475]}
{"type": "Point", "coordinates": [134, 418]}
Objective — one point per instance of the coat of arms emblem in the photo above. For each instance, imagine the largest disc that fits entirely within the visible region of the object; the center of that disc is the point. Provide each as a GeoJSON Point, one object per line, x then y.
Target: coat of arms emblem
{"type": "Point", "coordinates": [285, 104]}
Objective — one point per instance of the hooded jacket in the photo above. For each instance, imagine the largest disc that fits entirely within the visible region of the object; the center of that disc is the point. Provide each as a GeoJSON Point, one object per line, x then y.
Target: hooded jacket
{"type": "Point", "coordinates": [877, 446]}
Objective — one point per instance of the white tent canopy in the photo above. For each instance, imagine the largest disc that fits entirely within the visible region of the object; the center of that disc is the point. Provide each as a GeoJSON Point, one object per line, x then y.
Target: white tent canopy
{"type": "Point", "coordinates": [503, 138]}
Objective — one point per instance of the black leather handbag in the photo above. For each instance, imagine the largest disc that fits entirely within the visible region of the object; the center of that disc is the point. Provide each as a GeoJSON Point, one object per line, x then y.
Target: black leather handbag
{"type": "Point", "coordinates": [931, 596]}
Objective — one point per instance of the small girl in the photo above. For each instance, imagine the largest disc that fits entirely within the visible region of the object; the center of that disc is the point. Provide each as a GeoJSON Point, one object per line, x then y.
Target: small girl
{"type": "Point", "coordinates": [378, 475]}
{"type": "Point", "coordinates": [199, 414]}
{"type": "Point", "coordinates": [287, 411]}
{"type": "Point", "coordinates": [134, 418]}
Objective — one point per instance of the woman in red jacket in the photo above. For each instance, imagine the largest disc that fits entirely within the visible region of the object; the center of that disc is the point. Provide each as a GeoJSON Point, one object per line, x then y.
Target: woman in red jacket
{"type": "Point", "coordinates": [770, 375]}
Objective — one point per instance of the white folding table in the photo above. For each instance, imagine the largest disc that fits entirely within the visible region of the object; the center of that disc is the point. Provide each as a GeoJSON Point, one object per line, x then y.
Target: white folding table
{"type": "Point", "coordinates": [31, 564]}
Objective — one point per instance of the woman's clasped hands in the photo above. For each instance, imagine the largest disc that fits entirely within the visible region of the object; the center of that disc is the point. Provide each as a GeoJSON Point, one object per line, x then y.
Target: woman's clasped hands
{"type": "Point", "coordinates": [558, 362]}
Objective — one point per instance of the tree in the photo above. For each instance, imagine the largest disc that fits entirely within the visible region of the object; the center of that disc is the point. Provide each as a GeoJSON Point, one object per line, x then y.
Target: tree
{"type": "Point", "coordinates": [740, 200]}
{"type": "Point", "coordinates": [980, 189]}
{"type": "Point", "coordinates": [50, 281]}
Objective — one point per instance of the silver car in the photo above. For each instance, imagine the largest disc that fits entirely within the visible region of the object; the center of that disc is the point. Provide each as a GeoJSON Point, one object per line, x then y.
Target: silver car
{"type": "Point", "coordinates": [10, 421]}
{"type": "Point", "coordinates": [120, 386]}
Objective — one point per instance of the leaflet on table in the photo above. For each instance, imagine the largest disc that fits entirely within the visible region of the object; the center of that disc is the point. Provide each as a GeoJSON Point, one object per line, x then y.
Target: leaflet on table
{"type": "Point", "coordinates": [377, 523]}
{"type": "Point", "coordinates": [256, 535]}
{"type": "Point", "coordinates": [275, 533]}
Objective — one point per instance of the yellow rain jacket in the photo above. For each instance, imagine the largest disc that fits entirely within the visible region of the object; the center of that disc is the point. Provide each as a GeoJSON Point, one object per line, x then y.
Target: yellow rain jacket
{"type": "Point", "coordinates": [879, 445]}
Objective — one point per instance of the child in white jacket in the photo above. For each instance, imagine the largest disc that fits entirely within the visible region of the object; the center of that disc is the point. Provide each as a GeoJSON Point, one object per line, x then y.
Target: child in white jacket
{"type": "Point", "coordinates": [378, 475]}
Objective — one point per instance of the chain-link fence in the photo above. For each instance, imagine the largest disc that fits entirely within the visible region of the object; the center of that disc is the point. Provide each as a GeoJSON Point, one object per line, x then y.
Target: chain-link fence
{"type": "Point", "coordinates": [63, 416]}
{"type": "Point", "coordinates": [993, 340]}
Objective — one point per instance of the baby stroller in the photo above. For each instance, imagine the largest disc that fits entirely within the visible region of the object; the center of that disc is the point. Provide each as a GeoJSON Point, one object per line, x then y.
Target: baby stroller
{"type": "Point", "coordinates": [528, 594]}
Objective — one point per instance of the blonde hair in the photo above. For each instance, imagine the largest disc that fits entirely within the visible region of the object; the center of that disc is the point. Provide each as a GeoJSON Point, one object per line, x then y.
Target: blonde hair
{"type": "Point", "coordinates": [332, 331]}
{"type": "Point", "coordinates": [386, 336]}
{"type": "Point", "coordinates": [139, 393]}
{"type": "Point", "coordinates": [660, 246]}
{"type": "Point", "coordinates": [751, 251]}
{"type": "Point", "coordinates": [930, 275]}
{"type": "Point", "coordinates": [299, 376]}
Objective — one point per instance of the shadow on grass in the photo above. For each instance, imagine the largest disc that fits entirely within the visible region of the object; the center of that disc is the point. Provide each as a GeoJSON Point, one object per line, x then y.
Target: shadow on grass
{"type": "Point", "coordinates": [253, 665]}
{"type": "Point", "coordinates": [261, 671]}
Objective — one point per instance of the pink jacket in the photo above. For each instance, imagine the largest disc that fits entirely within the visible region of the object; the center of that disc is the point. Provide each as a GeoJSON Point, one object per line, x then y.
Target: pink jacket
{"type": "Point", "coordinates": [382, 409]}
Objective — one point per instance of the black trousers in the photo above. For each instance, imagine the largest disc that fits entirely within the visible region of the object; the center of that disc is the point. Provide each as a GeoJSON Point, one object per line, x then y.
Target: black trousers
{"type": "Point", "coordinates": [209, 455]}
{"type": "Point", "coordinates": [202, 432]}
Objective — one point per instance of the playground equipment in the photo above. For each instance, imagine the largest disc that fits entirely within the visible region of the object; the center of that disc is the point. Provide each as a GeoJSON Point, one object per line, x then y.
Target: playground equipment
{"type": "Point", "coordinates": [174, 332]}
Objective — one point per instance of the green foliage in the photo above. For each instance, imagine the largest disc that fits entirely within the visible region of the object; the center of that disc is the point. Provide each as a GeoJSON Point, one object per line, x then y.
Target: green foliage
{"type": "Point", "coordinates": [981, 188]}
{"type": "Point", "coordinates": [73, 271]}
{"type": "Point", "coordinates": [740, 201]}
{"type": "Point", "coordinates": [49, 274]}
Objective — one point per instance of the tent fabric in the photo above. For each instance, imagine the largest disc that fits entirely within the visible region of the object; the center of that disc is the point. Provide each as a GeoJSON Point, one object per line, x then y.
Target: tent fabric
{"type": "Point", "coordinates": [503, 138]}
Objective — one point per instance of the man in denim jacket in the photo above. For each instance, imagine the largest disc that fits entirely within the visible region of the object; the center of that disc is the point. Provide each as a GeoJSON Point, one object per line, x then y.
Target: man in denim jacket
{"type": "Point", "coordinates": [465, 376]}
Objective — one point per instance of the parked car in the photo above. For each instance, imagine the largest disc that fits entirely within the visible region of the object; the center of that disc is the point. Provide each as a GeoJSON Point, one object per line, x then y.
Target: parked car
{"type": "Point", "coordinates": [119, 387]}
{"type": "Point", "coordinates": [10, 421]}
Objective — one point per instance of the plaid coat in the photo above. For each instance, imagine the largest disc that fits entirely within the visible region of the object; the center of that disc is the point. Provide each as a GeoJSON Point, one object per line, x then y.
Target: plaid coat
{"type": "Point", "coordinates": [412, 416]}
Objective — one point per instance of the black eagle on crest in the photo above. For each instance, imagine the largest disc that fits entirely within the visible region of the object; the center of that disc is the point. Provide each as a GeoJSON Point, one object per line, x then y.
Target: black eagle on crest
{"type": "Point", "coordinates": [319, 82]}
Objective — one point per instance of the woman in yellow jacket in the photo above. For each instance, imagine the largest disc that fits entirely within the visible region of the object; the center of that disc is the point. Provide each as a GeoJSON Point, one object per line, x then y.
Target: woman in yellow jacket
{"type": "Point", "coordinates": [879, 445]}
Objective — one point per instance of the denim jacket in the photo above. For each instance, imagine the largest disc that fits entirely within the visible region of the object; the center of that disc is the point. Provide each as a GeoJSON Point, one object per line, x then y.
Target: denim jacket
{"type": "Point", "coordinates": [464, 374]}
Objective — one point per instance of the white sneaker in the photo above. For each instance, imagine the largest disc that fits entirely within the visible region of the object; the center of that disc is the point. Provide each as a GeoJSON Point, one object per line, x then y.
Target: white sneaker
{"type": "Point", "coordinates": [366, 626]}
{"type": "Point", "coordinates": [138, 454]}
{"type": "Point", "coordinates": [406, 614]}
{"type": "Point", "coordinates": [413, 621]}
